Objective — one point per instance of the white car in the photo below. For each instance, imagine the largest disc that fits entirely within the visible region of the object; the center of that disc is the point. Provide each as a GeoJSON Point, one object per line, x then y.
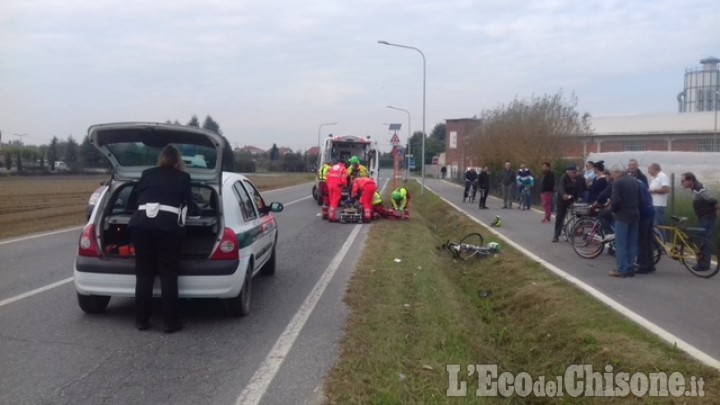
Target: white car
{"type": "Point", "coordinates": [231, 238]}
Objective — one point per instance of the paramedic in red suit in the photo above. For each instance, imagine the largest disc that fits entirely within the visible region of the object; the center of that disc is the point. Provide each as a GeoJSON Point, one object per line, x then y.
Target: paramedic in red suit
{"type": "Point", "coordinates": [337, 179]}
{"type": "Point", "coordinates": [157, 233]}
{"type": "Point", "coordinates": [365, 188]}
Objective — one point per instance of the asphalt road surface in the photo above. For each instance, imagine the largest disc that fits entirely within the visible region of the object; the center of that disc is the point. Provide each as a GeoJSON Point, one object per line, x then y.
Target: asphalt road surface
{"type": "Point", "coordinates": [671, 298]}
{"type": "Point", "coordinates": [53, 353]}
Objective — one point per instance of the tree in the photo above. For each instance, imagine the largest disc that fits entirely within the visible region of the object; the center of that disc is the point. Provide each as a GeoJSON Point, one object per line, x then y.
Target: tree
{"type": "Point", "coordinates": [89, 155]}
{"type": "Point", "coordinates": [194, 122]}
{"type": "Point", "coordinates": [526, 131]}
{"type": "Point", "coordinates": [439, 132]}
{"type": "Point", "coordinates": [274, 153]}
{"type": "Point", "coordinates": [71, 152]}
{"type": "Point", "coordinates": [212, 125]}
{"type": "Point", "coordinates": [52, 153]}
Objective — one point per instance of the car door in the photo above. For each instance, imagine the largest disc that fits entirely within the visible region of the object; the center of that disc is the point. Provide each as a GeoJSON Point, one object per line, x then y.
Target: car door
{"type": "Point", "coordinates": [266, 221]}
{"type": "Point", "coordinates": [250, 232]}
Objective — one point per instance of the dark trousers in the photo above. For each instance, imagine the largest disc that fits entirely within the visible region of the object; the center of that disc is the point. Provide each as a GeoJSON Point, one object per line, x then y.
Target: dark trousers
{"type": "Point", "coordinates": [645, 244]}
{"type": "Point", "coordinates": [562, 209]}
{"type": "Point", "coordinates": [483, 197]}
{"type": "Point", "coordinates": [157, 253]}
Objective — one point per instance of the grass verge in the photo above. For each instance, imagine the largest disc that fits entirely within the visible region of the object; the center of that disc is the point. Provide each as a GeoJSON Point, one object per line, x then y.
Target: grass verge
{"type": "Point", "coordinates": [409, 319]}
{"type": "Point", "coordinates": [33, 204]}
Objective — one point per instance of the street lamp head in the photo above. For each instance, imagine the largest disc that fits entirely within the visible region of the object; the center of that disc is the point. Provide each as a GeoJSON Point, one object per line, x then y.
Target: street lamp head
{"type": "Point", "coordinates": [384, 42]}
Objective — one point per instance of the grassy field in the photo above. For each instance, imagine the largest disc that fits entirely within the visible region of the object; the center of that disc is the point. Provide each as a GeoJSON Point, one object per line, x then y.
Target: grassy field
{"type": "Point", "coordinates": [412, 318]}
{"type": "Point", "coordinates": [32, 204]}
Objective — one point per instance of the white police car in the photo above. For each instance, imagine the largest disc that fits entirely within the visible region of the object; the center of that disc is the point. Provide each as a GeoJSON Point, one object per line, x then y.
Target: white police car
{"type": "Point", "coordinates": [231, 238]}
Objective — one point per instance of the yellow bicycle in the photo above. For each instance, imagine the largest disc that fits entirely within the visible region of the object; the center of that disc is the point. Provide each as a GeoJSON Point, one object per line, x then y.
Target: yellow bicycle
{"type": "Point", "coordinates": [697, 253]}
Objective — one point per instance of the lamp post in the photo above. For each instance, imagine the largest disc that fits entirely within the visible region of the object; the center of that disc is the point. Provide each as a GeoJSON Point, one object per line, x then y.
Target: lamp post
{"type": "Point", "coordinates": [407, 163]}
{"type": "Point", "coordinates": [715, 135]}
{"type": "Point", "coordinates": [422, 158]}
{"type": "Point", "coordinates": [324, 124]}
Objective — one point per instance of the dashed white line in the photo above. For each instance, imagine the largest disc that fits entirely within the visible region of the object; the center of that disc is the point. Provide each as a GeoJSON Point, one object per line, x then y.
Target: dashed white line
{"type": "Point", "coordinates": [34, 292]}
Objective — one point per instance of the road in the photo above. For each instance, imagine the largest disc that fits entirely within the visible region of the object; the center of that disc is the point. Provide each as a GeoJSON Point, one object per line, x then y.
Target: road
{"type": "Point", "coordinates": [673, 299]}
{"type": "Point", "coordinates": [53, 353]}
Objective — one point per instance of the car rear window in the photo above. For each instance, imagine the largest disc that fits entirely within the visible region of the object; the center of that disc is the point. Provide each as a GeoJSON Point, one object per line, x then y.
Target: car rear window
{"type": "Point", "coordinates": [138, 154]}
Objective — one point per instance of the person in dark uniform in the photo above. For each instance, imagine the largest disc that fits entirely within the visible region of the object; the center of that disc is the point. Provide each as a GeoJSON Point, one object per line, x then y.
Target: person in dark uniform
{"type": "Point", "coordinates": [157, 230]}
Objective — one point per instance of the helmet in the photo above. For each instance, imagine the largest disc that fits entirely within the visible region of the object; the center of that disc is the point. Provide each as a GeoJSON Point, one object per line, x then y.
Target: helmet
{"type": "Point", "coordinates": [397, 196]}
{"type": "Point", "coordinates": [497, 222]}
{"type": "Point", "coordinates": [354, 160]}
{"type": "Point", "coordinates": [494, 245]}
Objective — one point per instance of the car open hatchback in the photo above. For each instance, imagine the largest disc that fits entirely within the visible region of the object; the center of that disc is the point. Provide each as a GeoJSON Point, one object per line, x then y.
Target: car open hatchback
{"type": "Point", "coordinates": [230, 237]}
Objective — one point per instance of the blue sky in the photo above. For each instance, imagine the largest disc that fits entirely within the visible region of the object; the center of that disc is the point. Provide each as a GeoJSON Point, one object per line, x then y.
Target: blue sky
{"type": "Point", "coordinates": [273, 71]}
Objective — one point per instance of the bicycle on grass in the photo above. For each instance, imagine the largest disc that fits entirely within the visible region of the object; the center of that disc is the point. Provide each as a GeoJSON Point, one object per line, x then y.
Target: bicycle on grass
{"type": "Point", "coordinates": [688, 247]}
{"type": "Point", "coordinates": [471, 246]}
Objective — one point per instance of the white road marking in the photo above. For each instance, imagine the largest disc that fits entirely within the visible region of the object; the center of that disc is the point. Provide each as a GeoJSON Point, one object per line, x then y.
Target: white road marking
{"type": "Point", "coordinates": [258, 385]}
{"type": "Point", "coordinates": [39, 235]}
{"type": "Point", "coordinates": [298, 200]}
{"type": "Point", "coordinates": [627, 312]}
{"type": "Point", "coordinates": [35, 291]}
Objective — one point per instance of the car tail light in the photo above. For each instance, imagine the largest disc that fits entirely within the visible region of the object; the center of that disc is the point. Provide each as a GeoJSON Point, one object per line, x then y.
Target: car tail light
{"type": "Point", "coordinates": [88, 243]}
{"type": "Point", "coordinates": [228, 249]}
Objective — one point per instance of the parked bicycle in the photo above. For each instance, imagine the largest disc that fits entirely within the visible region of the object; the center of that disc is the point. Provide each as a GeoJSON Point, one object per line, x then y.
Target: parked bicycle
{"type": "Point", "coordinates": [471, 246]}
{"type": "Point", "coordinates": [588, 239]}
{"type": "Point", "coordinates": [578, 211]}
{"type": "Point", "coordinates": [525, 198]}
{"type": "Point", "coordinates": [689, 247]}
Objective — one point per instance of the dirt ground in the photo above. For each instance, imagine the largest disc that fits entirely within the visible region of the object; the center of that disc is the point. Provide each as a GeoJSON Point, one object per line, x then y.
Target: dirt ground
{"type": "Point", "coordinates": [33, 204]}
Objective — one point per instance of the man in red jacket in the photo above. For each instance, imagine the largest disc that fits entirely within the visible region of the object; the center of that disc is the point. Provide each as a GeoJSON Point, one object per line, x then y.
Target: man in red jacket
{"type": "Point", "coordinates": [365, 188]}
{"type": "Point", "coordinates": [336, 180]}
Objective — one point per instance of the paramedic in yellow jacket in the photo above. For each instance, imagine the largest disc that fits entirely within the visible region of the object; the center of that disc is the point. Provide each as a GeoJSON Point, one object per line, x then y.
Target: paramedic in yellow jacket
{"type": "Point", "coordinates": [401, 201]}
{"type": "Point", "coordinates": [322, 179]}
{"type": "Point", "coordinates": [356, 169]}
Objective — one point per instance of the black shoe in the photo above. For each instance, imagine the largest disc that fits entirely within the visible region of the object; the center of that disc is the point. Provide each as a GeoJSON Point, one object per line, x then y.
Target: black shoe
{"type": "Point", "coordinates": [554, 240]}
{"type": "Point", "coordinates": [142, 325]}
{"type": "Point", "coordinates": [172, 328]}
{"type": "Point", "coordinates": [643, 271]}
{"type": "Point", "coordinates": [700, 269]}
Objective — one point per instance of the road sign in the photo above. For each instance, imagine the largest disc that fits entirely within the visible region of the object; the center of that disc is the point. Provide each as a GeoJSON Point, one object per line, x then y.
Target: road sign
{"type": "Point", "coordinates": [395, 140]}
{"type": "Point", "coordinates": [409, 155]}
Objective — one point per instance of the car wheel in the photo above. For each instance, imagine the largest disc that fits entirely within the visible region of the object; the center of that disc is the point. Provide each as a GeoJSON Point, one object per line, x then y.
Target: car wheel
{"type": "Point", "coordinates": [240, 305]}
{"type": "Point", "coordinates": [317, 195]}
{"type": "Point", "coordinates": [269, 266]}
{"type": "Point", "coordinates": [93, 304]}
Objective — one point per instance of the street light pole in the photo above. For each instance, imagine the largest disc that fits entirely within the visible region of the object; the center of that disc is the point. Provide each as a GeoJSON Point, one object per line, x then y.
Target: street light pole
{"type": "Point", "coordinates": [407, 163]}
{"type": "Point", "coordinates": [324, 124]}
{"type": "Point", "coordinates": [715, 135]}
{"type": "Point", "coordinates": [422, 158]}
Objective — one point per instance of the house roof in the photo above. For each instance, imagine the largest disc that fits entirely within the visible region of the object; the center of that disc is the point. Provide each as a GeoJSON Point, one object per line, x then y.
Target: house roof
{"type": "Point", "coordinates": [676, 123]}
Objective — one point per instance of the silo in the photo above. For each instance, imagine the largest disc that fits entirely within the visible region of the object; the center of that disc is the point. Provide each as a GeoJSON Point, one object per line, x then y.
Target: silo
{"type": "Point", "coordinates": [702, 87]}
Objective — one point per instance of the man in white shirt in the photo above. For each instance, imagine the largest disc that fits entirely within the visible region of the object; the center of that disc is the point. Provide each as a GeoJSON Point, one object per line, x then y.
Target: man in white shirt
{"type": "Point", "coordinates": [659, 189]}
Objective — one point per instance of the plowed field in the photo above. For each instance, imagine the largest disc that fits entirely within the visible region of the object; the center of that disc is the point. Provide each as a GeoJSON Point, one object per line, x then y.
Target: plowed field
{"type": "Point", "coordinates": [32, 204]}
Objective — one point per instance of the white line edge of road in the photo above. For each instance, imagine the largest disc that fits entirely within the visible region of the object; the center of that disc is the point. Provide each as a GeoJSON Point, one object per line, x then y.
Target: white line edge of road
{"type": "Point", "coordinates": [627, 312]}
{"type": "Point", "coordinates": [258, 385]}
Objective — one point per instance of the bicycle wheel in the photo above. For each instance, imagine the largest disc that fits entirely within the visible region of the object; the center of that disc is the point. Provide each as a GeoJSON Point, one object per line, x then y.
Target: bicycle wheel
{"type": "Point", "coordinates": [692, 254]}
{"type": "Point", "coordinates": [658, 244]}
{"type": "Point", "coordinates": [586, 238]}
{"type": "Point", "coordinates": [469, 245]}
{"type": "Point", "coordinates": [569, 224]}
